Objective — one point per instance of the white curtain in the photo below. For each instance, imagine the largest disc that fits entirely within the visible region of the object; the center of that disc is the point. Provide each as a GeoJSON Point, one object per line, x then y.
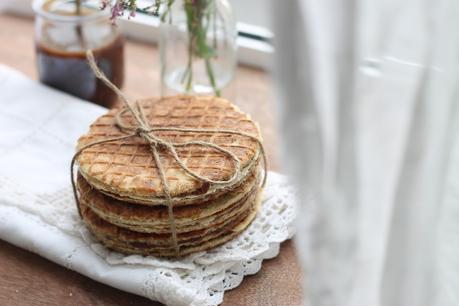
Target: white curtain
{"type": "Point", "coordinates": [367, 101]}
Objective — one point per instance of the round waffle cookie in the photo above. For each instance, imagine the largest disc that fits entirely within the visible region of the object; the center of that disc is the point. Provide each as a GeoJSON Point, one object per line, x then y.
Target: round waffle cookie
{"type": "Point", "coordinates": [119, 188]}
{"type": "Point", "coordinates": [125, 169]}
{"type": "Point", "coordinates": [154, 219]}
{"type": "Point", "coordinates": [132, 242]}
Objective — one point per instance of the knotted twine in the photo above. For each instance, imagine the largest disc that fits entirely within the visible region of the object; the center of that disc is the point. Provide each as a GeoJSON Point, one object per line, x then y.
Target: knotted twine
{"type": "Point", "coordinates": [146, 132]}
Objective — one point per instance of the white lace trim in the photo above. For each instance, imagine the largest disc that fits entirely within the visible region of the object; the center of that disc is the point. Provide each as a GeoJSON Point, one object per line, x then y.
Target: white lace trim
{"type": "Point", "coordinates": [199, 279]}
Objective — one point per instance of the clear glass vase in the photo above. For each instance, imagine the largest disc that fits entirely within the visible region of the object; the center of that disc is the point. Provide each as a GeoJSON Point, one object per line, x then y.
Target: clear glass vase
{"type": "Point", "coordinates": [197, 47]}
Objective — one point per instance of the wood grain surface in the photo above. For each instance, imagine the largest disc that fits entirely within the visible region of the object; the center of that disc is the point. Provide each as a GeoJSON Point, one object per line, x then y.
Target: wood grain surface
{"type": "Point", "coordinates": [27, 279]}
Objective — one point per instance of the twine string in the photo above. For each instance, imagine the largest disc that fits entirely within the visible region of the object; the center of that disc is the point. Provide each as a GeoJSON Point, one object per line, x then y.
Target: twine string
{"type": "Point", "coordinates": [156, 144]}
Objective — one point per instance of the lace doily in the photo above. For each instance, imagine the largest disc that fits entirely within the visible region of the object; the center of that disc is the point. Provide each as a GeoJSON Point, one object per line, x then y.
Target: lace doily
{"type": "Point", "coordinates": [199, 279]}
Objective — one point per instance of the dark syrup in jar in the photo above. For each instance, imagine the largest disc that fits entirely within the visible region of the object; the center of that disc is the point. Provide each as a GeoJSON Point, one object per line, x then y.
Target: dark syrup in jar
{"type": "Point", "coordinates": [63, 65]}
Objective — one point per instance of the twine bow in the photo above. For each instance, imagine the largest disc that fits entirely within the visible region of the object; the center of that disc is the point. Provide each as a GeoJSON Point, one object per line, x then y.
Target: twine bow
{"type": "Point", "coordinates": [146, 132]}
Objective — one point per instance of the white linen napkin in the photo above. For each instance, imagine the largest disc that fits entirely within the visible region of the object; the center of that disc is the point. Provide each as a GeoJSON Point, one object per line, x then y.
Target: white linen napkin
{"type": "Point", "coordinates": [39, 128]}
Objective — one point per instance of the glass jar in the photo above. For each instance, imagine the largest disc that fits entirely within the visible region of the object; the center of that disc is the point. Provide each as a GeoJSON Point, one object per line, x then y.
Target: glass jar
{"type": "Point", "coordinates": [64, 31]}
{"type": "Point", "coordinates": [197, 47]}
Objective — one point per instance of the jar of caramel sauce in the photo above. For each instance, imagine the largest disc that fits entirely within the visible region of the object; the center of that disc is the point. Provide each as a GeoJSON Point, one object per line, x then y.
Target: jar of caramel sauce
{"type": "Point", "coordinates": [64, 31]}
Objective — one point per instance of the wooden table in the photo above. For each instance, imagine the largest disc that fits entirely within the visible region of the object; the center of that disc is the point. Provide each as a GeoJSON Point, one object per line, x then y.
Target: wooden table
{"type": "Point", "coordinates": [28, 279]}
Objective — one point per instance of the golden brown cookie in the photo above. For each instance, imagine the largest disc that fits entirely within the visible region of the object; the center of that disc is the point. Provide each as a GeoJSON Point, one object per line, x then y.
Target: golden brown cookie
{"type": "Point", "coordinates": [131, 242]}
{"type": "Point", "coordinates": [125, 169]}
{"type": "Point", "coordinates": [147, 219]}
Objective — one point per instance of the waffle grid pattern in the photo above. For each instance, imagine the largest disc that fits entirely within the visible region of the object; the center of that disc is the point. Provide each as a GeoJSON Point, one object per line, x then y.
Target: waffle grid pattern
{"type": "Point", "coordinates": [129, 164]}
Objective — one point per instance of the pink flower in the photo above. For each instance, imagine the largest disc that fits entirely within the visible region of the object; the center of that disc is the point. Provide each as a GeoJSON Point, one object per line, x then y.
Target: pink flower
{"type": "Point", "coordinates": [118, 7]}
{"type": "Point", "coordinates": [117, 10]}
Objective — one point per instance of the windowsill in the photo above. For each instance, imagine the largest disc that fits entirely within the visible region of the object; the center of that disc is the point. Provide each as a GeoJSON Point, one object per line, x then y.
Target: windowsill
{"type": "Point", "coordinates": [254, 42]}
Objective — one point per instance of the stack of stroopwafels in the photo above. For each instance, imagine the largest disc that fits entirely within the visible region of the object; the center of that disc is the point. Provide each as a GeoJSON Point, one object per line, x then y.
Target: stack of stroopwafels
{"type": "Point", "coordinates": [121, 192]}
